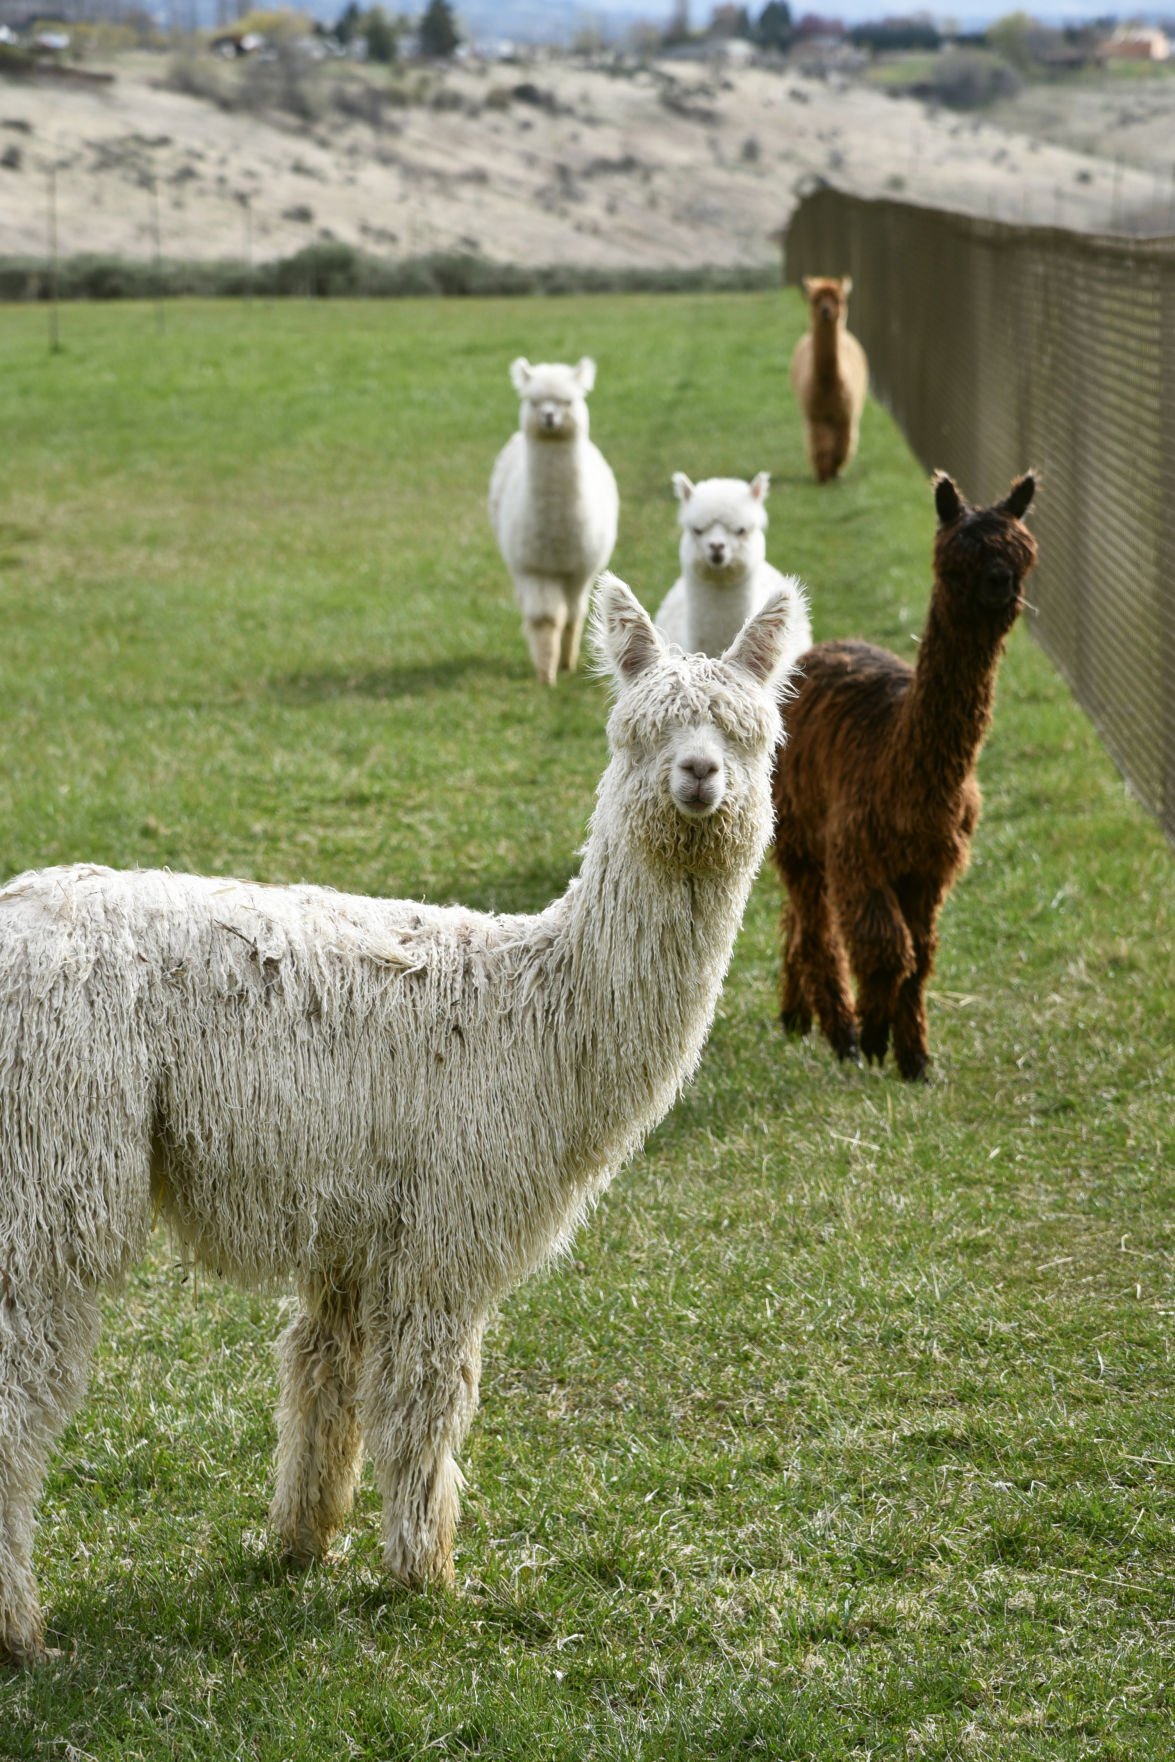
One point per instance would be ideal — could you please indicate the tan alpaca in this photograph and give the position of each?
(830, 376)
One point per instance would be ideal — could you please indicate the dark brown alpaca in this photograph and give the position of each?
(875, 791)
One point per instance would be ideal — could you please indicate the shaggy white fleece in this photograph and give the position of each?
(725, 576)
(405, 1107)
(554, 508)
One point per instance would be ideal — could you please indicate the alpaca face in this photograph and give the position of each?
(692, 737)
(982, 555)
(722, 524)
(828, 298)
(554, 398)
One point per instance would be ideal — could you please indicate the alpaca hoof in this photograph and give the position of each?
(847, 1049)
(26, 1654)
(795, 1021)
(875, 1043)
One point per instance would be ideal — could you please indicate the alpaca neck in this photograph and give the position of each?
(555, 467)
(715, 614)
(637, 963)
(947, 710)
(825, 350)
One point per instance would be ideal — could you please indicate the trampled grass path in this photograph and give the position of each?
(846, 1429)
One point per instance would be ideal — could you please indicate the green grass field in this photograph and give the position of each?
(846, 1430)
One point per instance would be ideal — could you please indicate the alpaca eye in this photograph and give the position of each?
(740, 532)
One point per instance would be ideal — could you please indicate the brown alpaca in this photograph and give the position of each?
(830, 376)
(875, 791)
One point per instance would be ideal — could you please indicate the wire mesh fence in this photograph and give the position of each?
(998, 347)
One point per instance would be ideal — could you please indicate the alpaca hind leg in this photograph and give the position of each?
(45, 1352)
(319, 1449)
(418, 1396)
(881, 953)
(794, 1012)
(819, 961)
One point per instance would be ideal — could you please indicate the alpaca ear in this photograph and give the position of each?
(760, 485)
(623, 631)
(585, 374)
(683, 489)
(1016, 502)
(808, 282)
(520, 374)
(761, 646)
(947, 499)
(846, 285)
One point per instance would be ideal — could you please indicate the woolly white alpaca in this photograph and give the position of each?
(405, 1107)
(725, 576)
(554, 508)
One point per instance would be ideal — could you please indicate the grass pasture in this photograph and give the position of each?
(846, 1430)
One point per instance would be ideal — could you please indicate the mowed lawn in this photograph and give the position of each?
(845, 1431)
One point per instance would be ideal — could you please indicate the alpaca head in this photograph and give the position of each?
(692, 737)
(828, 298)
(554, 397)
(982, 555)
(722, 522)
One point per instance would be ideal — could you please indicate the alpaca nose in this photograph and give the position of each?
(701, 766)
(717, 552)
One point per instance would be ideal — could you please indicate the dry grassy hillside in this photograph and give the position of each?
(556, 162)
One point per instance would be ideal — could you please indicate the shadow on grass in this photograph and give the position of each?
(324, 684)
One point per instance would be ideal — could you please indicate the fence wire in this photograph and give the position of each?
(997, 347)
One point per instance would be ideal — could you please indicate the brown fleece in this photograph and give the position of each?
(876, 798)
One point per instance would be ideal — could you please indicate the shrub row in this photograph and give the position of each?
(329, 270)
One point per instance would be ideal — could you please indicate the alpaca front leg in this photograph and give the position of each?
(44, 1363)
(818, 963)
(544, 613)
(911, 1040)
(318, 1450)
(577, 606)
(419, 1396)
(881, 954)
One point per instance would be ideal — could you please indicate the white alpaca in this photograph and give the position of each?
(554, 508)
(725, 576)
(405, 1107)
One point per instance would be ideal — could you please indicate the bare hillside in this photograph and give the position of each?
(550, 163)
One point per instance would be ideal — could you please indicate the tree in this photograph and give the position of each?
(379, 33)
(439, 36)
(773, 31)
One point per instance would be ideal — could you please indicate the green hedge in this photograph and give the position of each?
(327, 271)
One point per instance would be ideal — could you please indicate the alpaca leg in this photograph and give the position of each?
(819, 961)
(45, 1353)
(318, 1450)
(794, 1012)
(882, 954)
(418, 1396)
(910, 1037)
(572, 632)
(825, 449)
(544, 636)
(544, 613)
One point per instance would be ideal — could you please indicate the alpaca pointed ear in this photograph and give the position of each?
(683, 489)
(622, 630)
(947, 499)
(846, 285)
(585, 374)
(760, 484)
(1019, 497)
(808, 282)
(761, 646)
(520, 374)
